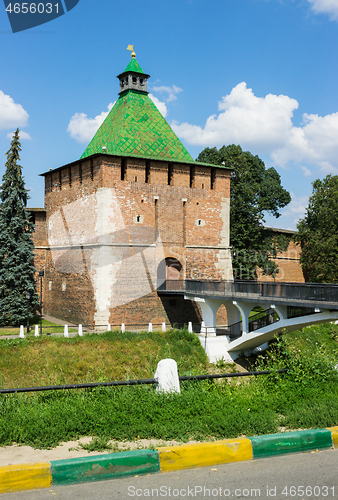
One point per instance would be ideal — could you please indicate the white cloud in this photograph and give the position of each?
(264, 124)
(244, 119)
(315, 142)
(171, 91)
(297, 206)
(12, 115)
(22, 134)
(306, 171)
(161, 106)
(325, 7)
(82, 129)
(292, 213)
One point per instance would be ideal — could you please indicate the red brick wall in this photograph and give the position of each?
(38, 215)
(188, 219)
(288, 262)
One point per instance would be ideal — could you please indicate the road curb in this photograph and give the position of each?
(103, 467)
(115, 465)
(22, 477)
(291, 442)
(192, 455)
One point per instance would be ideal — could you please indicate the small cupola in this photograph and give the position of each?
(133, 77)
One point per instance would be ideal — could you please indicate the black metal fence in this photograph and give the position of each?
(148, 381)
(259, 320)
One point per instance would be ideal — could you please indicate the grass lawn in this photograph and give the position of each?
(96, 357)
(305, 397)
(47, 327)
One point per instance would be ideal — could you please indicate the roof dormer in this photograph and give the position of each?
(133, 77)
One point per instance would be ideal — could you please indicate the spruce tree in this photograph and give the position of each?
(16, 244)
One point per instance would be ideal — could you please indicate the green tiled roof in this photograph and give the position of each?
(134, 66)
(135, 127)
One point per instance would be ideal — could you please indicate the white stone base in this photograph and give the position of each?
(216, 347)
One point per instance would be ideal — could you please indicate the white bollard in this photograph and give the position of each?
(190, 327)
(108, 327)
(65, 331)
(36, 331)
(80, 331)
(167, 376)
(123, 328)
(163, 327)
(22, 333)
(150, 327)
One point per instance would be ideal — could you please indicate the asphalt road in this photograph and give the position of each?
(297, 476)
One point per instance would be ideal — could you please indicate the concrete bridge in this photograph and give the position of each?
(286, 307)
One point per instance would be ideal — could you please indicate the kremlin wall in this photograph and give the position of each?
(133, 211)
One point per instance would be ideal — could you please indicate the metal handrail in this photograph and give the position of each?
(315, 292)
(134, 382)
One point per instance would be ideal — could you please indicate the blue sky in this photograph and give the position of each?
(259, 73)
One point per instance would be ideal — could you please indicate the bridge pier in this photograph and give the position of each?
(245, 309)
(235, 310)
(282, 311)
(233, 313)
(209, 310)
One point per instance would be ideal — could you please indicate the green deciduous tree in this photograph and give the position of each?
(16, 244)
(318, 233)
(255, 190)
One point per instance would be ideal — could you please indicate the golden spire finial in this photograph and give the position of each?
(131, 47)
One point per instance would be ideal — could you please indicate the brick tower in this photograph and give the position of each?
(133, 211)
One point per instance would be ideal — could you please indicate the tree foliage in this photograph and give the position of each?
(16, 244)
(254, 191)
(318, 232)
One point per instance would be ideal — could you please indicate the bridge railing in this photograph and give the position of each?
(317, 292)
(257, 321)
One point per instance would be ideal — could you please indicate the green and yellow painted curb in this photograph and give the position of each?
(25, 477)
(129, 463)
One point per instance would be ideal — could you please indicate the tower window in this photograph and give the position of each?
(213, 178)
(192, 176)
(123, 169)
(138, 219)
(170, 174)
(147, 172)
(134, 79)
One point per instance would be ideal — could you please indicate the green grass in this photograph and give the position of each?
(47, 328)
(96, 357)
(305, 397)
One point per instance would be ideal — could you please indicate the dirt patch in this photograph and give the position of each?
(72, 449)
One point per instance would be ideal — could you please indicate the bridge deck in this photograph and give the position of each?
(296, 294)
